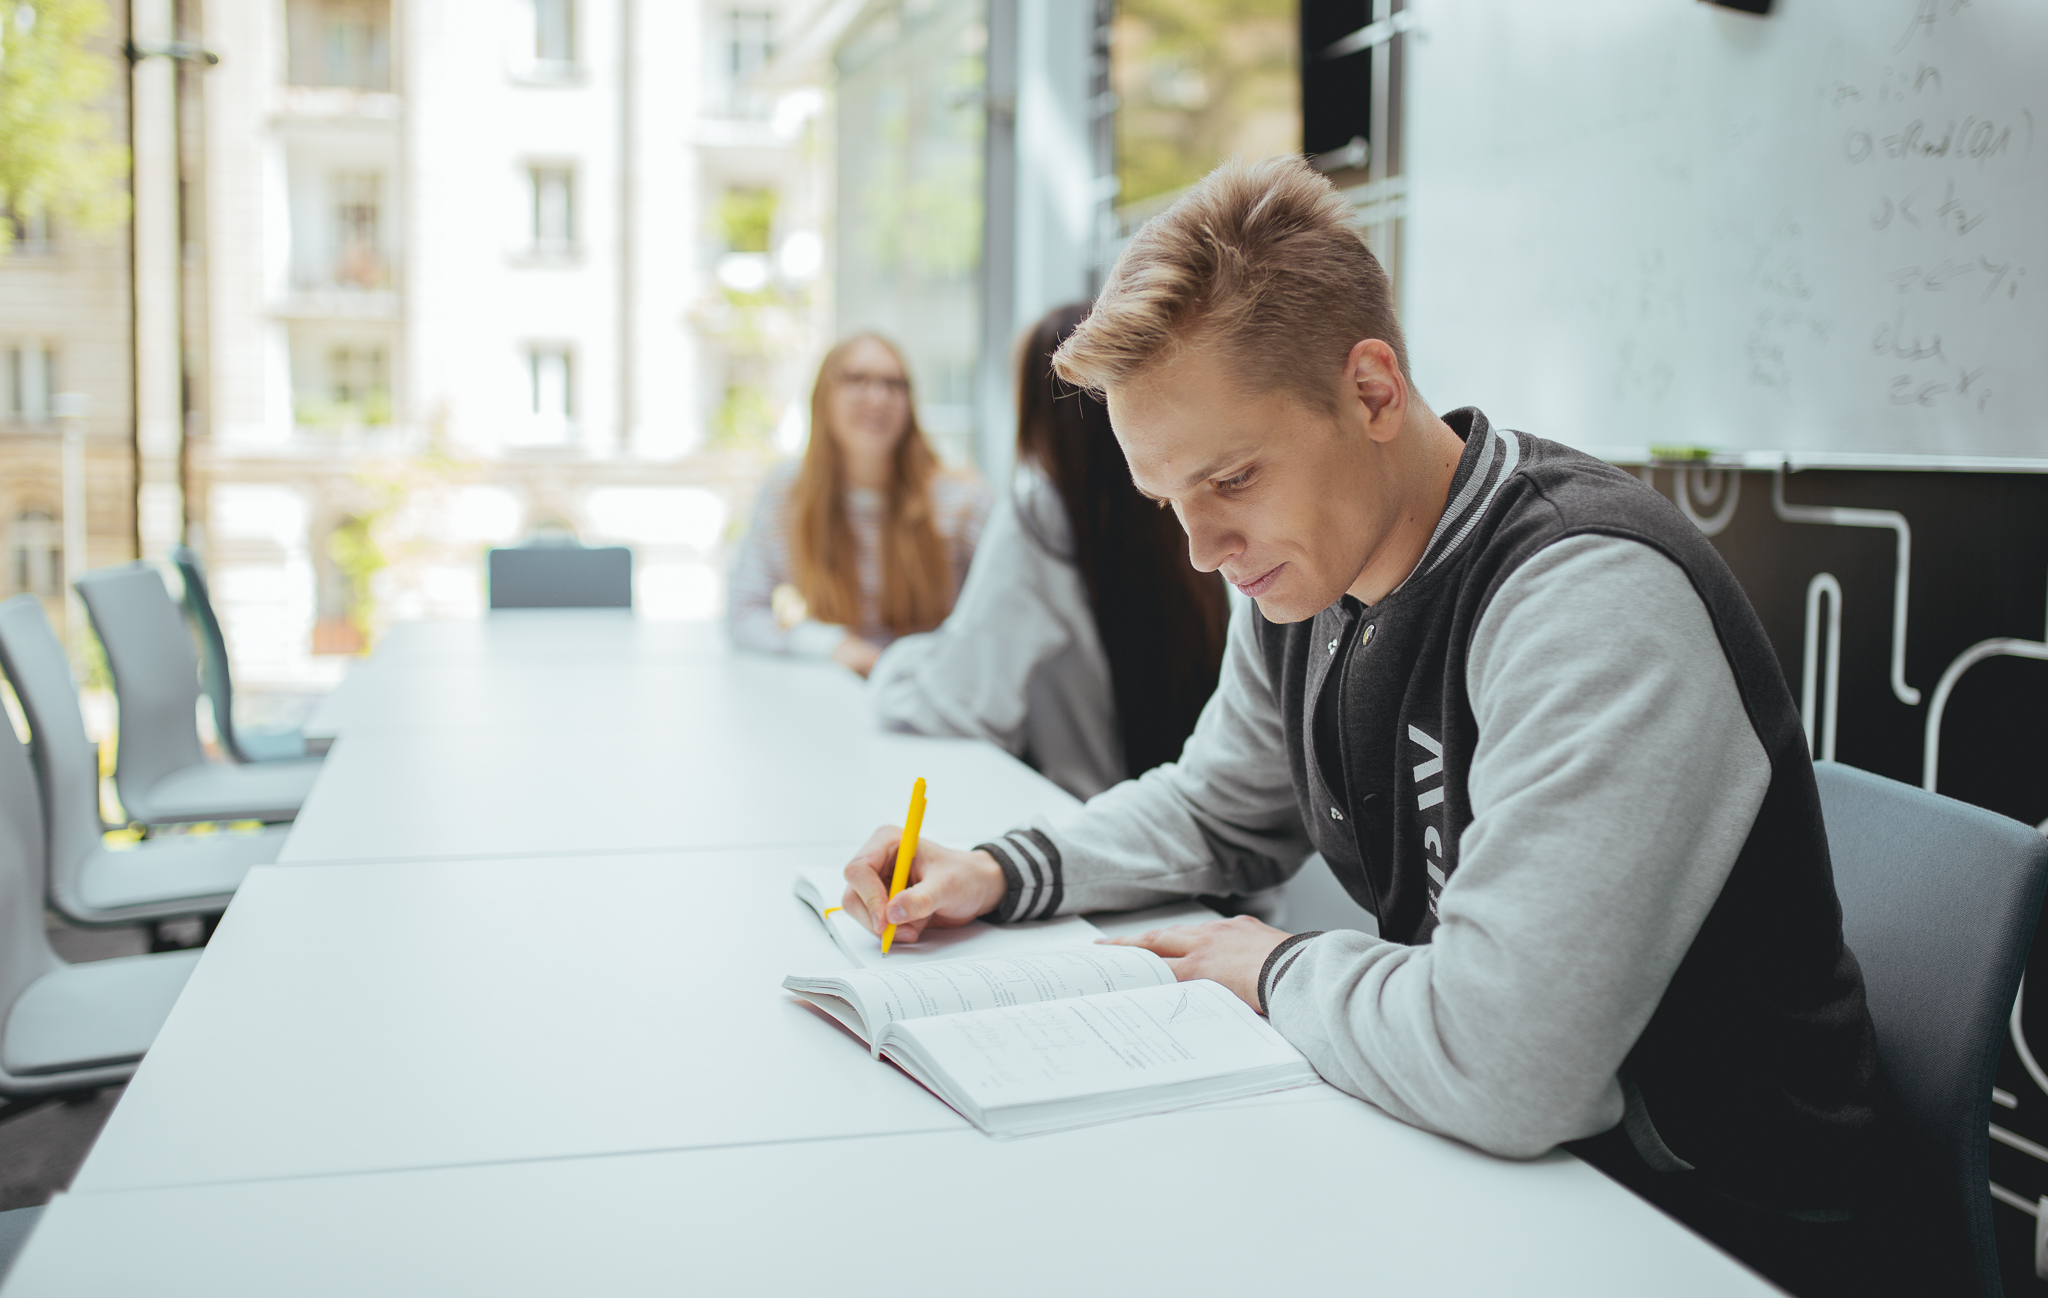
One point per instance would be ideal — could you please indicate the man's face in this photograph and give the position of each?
(1281, 496)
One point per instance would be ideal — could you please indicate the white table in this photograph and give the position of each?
(1323, 1197)
(501, 1043)
(411, 797)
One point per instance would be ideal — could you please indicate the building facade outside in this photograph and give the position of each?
(477, 270)
(65, 367)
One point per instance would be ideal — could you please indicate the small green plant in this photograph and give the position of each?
(744, 418)
(357, 556)
(746, 218)
(372, 411)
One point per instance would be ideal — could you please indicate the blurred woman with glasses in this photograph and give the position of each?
(1084, 641)
(867, 537)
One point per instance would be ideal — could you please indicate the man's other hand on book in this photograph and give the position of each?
(1228, 951)
(947, 888)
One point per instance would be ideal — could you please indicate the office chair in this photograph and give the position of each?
(161, 770)
(69, 1027)
(243, 743)
(90, 883)
(561, 576)
(1939, 901)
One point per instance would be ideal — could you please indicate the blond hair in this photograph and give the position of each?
(917, 573)
(1259, 260)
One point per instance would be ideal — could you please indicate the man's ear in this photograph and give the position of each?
(1373, 379)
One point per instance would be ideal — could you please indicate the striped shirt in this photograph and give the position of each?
(960, 505)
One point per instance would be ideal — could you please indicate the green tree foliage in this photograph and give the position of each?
(57, 151)
(1198, 82)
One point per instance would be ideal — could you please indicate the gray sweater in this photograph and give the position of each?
(1018, 662)
(1580, 884)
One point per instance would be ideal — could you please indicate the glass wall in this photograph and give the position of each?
(1197, 82)
(910, 132)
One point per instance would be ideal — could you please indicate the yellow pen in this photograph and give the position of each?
(905, 852)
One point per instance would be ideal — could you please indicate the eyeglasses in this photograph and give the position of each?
(885, 384)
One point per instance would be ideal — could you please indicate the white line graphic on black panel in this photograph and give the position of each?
(1718, 490)
(1811, 680)
(1840, 516)
(1998, 647)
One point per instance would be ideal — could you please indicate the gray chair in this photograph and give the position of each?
(161, 770)
(91, 884)
(69, 1027)
(561, 576)
(1939, 901)
(244, 743)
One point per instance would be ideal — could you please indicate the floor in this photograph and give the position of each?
(41, 1149)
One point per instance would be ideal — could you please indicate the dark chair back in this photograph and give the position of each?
(561, 576)
(1939, 901)
(213, 649)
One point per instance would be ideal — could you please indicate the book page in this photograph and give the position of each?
(1153, 1036)
(821, 888)
(887, 995)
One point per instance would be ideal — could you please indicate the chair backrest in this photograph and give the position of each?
(218, 681)
(559, 576)
(156, 675)
(25, 953)
(1939, 901)
(66, 764)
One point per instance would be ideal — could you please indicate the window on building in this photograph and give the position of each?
(358, 230)
(553, 192)
(554, 32)
(748, 46)
(339, 43)
(36, 546)
(31, 381)
(340, 383)
(551, 392)
(357, 382)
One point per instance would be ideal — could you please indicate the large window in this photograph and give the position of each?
(910, 129)
(339, 43)
(552, 193)
(1197, 82)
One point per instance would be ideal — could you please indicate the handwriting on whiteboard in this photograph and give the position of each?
(1930, 157)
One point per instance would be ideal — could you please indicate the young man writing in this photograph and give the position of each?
(1516, 701)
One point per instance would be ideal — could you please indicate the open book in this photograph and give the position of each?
(821, 888)
(1063, 1038)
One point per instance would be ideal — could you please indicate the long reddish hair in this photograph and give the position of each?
(917, 573)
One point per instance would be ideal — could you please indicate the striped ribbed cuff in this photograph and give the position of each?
(1033, 882)
(1276, 967)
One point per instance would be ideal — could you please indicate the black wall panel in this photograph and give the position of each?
(1977, 572)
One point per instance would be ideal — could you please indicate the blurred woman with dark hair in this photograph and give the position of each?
(868, 536)
(1083, 642)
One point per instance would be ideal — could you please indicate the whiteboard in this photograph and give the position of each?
(1823, 232)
